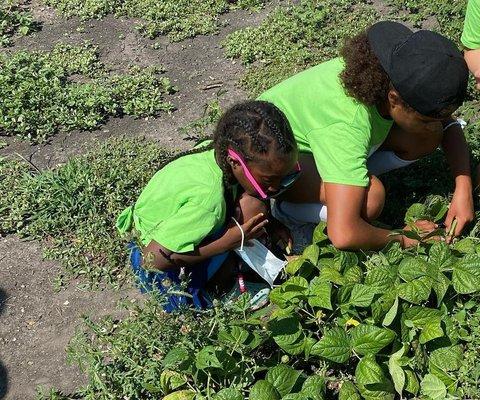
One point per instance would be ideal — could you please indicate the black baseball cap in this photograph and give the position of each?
(426, 68)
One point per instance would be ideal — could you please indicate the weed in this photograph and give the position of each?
(14, 20)
(178, 19)
(199, 129)
(72, 208)
(69, 88)
(294, 38)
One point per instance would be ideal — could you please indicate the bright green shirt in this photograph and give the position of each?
(339, 131)
(181, 205)
(471, 28)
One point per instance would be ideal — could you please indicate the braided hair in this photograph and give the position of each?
(252, 128)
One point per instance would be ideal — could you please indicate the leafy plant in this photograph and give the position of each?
(198, 129)
(14, 20)
(179, 19)
(73, 208)
(293, 38)
(69, 88)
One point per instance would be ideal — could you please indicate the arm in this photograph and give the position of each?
(346, 228)
(472, 57)
(458, 158)
(157, 256)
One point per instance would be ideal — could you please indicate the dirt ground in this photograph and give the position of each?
(36, 322)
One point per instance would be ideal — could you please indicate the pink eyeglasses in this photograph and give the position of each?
(285, 183)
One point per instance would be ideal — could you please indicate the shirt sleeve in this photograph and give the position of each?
(340, 153)
(185, 229)
(471, 28)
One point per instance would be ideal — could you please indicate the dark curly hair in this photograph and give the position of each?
(363, 77)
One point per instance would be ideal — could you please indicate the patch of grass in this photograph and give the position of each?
(69, 88)
(14, 20)
(73, 208)
(293, 38)
(444, 16)
(178, 19)
(199, 129)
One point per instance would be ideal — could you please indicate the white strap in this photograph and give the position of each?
(452, 124)
(241, 231)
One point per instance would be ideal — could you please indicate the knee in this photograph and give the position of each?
(375, 199)
(249, 206)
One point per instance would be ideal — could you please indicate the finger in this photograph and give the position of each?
(253, 221)
(259, 227)
(459, 228)
(449, 220)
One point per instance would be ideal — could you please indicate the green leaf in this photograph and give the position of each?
(345, 260)
(334, 346)
(415, 211)
(371, 380)
(431, 331)
(181, 395)
(176, 358)
(362, 295)
(263, 390)
(228, 394)
(440, 287)
(170, 380)
(412, 385)
(396, 371)
(447, 358)
(353, 275)
(283, 378)
(416, 291)
(311, 253)
(348, 391)
(391, 314)
(288, 334)
(320, 294)
(465, 246)
(381, 278)
(319, 234)
(207, 358)
(433, 387)
(466, 275)
(233, 335)
(411, 268)
(421, 316)
(369, 339)
(440, 255)
(314, 387)
(330, 274)
(295, 265)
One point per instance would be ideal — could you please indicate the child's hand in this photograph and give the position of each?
(280, 233)
(252, 229)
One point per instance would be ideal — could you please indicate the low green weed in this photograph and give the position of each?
(199, 129)
(293, 38)
(69, 88)
(14, 20)
(73, 208)
(178, 19)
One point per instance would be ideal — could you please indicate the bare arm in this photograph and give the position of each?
(457, 154)
(472, 57)
(155, 256)
(346, 228)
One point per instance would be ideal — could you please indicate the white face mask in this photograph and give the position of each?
(260, 259)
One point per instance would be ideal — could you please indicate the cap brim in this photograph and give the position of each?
(384, 37)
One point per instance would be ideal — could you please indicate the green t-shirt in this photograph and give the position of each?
(339, 131)
(471, 28)
(181, 205)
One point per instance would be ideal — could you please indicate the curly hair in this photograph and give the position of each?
(363, 77)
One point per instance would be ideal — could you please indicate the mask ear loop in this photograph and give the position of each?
(241, 231)
(240, 279)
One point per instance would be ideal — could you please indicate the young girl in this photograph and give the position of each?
(183, 215)
(388, 100)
